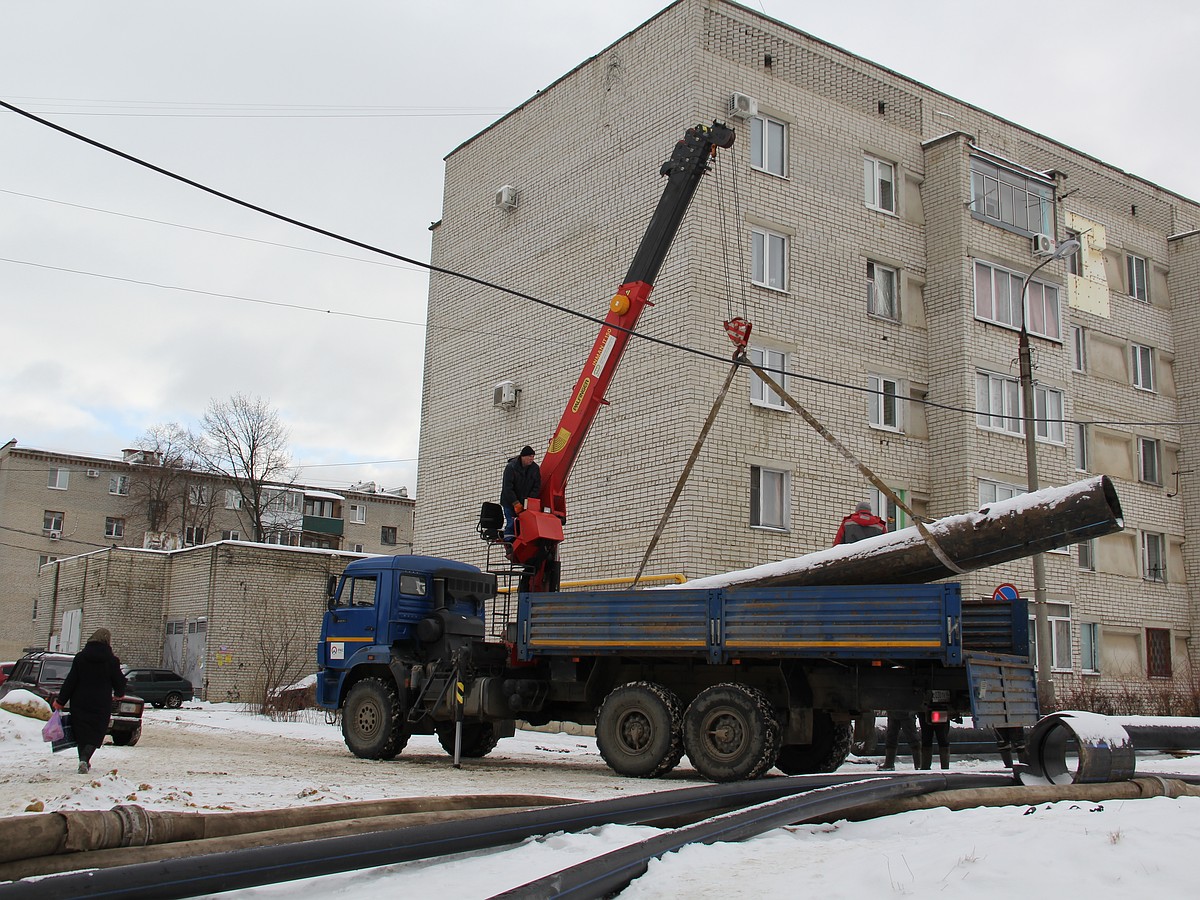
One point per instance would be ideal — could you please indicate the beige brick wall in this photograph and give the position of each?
(584, 154)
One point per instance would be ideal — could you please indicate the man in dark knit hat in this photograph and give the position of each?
(522, 480)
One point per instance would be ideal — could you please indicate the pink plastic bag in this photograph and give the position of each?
(53, 729)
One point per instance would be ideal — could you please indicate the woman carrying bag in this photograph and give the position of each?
(95, 678)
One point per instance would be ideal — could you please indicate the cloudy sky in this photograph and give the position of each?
(128, 300)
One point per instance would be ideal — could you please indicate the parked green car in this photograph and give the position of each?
(161, 687)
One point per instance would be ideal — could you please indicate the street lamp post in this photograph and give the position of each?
(1041, 619)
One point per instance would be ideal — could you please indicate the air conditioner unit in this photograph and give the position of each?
(1043, 245)
(504, 395)
(55, 535)
(507, 197)
(93, 473)
(743, 105)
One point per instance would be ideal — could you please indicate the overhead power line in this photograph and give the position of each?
(483, 282)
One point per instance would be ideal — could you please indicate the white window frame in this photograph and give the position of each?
(193, 535)
(888, 510)
(769, 145)
(358, 513)
(1085, 555)
(1089, 647)
(991, 491)
(878, 276)
(1154, 550)
(1059, 616)
(1083, 449)
(998, 403)
(45, 560)
(1149, 457)
(118, 485)
(875, 196)
(769, 258)
(773, 486)
(879, 415)
(1142, 360)
(1137, 271)
(1078, 349)
(1048, 414)
(233, 498)
(52, 516)
(1000, 303)
(114, 527)
(776, 362)
(198, 494)
(358, 548)
(230, 534)
(57, 478)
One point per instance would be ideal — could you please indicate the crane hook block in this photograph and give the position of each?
(738, 330)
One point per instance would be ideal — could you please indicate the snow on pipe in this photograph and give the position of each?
(1000, 532)
(1086, 748)
(233, 870)
(605, 875)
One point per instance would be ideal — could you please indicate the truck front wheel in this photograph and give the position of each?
(638, 730)
(829, 748)
(478, 738)
(373, 720)
(731, 733)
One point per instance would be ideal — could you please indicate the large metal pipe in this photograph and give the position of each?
(1086, 748)
(1000, 532)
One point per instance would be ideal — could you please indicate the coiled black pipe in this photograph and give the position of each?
(289, 862)
(613, 871)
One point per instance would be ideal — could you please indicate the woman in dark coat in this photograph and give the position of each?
(94, 679)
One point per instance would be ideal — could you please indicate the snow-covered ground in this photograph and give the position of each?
(217, 757)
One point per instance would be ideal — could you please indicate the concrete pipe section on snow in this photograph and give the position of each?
(1086, 748)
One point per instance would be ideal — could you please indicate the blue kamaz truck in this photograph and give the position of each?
(739, 679)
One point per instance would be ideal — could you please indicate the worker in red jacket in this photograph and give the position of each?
(859, 525)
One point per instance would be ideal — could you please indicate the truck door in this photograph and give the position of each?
(351, 624)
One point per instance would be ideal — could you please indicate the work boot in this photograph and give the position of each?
(889, 761)
(84, 768)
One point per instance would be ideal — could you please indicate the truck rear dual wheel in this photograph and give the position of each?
(478, 738)
(373, 723)
(731, 733)
(638, 730)
(829, 748)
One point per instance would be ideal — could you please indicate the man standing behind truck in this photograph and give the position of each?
(859, 525)
(522, 480)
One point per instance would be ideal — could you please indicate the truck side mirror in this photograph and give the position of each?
(331, 587)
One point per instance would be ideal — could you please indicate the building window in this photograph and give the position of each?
(1048, 414)
(193, 535)
(1135, 268)
(231, 535)
(1158, 652)
(768, 145)
(198, 494)
(1143, 367)
(1008, 198)
(45, 560)
(992, 491)
(1154, 556)
(1082, 449)
(358, 548)
(114, 528)
(1085, 555)
(118, 484)
(387, 535)
(358, 513)
(1089, 647)
(769, 498)
(775, 362)
(882, 297)
(1149, 460)
(322, 509)
(998, 300)
(233, 499)
(58, 478)
(879, 184)
(1075, 260)
(768, 259)
(1059, 617)
(887, 509)
(998, 403)
(883, 407)
(1078, 349)
(52, 520)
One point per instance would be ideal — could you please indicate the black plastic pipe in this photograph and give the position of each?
(612, 872)
(308, 859)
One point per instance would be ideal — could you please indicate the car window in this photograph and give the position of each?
(55, 670)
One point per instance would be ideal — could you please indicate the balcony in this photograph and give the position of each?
(323, 525)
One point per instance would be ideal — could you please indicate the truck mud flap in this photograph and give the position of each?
(1003, 690)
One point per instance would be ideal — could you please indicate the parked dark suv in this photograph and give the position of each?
(43, 672)
(162, 687)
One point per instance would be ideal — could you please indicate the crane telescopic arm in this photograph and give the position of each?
(541, 531)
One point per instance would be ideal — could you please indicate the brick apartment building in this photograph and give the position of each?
(877, 232)
(58, 505)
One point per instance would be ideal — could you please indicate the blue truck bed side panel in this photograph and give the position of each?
(1003, 690)
(895, 621)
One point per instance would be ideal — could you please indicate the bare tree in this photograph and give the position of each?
(159, 479)
(243, 442)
